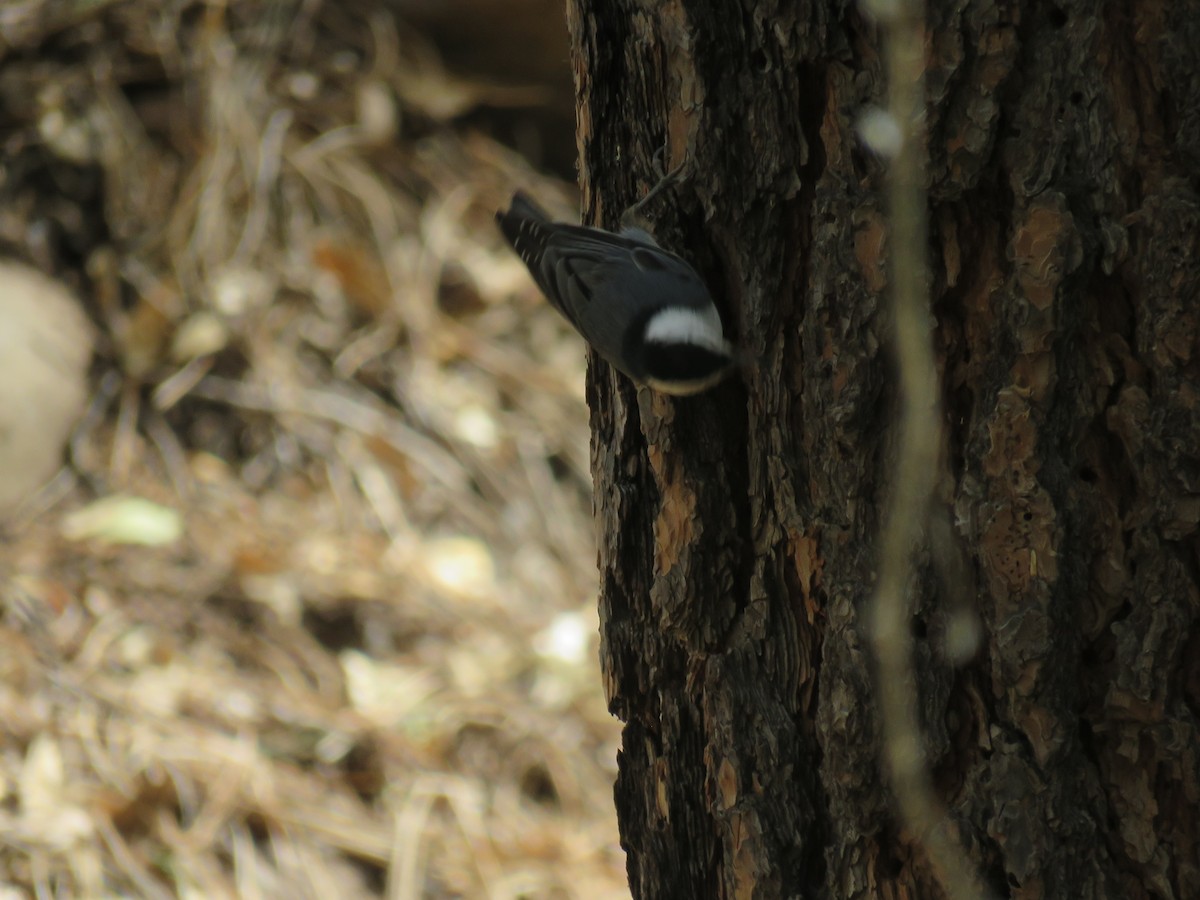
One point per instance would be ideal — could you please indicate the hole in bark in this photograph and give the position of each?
(919, 629)
(1058, 17)
(1076, 98)
(1027, 516)
(1088, 475)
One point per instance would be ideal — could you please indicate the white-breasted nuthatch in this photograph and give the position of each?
(641, 307)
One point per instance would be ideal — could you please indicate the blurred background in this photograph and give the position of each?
(310, 611)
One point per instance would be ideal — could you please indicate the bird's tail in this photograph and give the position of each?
(523, 207)
(524, 227)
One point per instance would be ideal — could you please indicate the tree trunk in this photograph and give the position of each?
(738, 529)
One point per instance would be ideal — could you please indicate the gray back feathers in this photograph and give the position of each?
(606, 285)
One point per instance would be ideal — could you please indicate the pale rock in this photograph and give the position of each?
(45, 348)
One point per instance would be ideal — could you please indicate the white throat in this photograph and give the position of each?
(685, 325)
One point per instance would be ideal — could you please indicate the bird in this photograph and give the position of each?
(643, 308)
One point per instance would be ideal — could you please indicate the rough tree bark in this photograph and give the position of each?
(738, 529)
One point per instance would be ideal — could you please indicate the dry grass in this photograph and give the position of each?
(368, 667)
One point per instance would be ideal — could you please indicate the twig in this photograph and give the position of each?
(916, 466)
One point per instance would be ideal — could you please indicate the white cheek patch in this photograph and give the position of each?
(684, 325)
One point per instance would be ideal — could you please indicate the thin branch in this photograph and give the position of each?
(916, 465)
